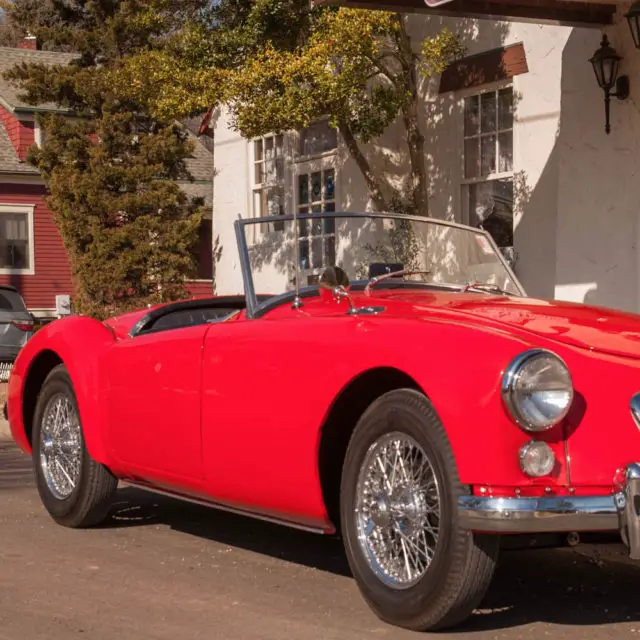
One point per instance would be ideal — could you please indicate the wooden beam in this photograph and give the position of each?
(575, 13)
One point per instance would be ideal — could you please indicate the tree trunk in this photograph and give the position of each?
(374, 182)
(418, 183)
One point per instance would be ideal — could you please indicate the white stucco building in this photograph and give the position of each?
(570, 191)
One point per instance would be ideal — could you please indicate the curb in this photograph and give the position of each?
(5, 431)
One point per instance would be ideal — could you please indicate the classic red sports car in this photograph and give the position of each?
(398, 387)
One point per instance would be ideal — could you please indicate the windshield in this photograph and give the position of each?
(365, 246)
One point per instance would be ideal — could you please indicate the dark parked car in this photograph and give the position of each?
(16, 327)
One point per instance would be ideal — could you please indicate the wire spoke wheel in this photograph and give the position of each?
(61, 446)
(397, 510)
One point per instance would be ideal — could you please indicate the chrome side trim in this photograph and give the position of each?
(538, 515)
(222, 507)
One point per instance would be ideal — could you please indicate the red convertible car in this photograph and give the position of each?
(382, 377)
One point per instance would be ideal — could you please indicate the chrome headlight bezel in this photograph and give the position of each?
(510, 394)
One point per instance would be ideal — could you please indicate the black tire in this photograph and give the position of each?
(88, 504)
(463, 563)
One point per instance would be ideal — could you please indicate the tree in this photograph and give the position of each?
(112, 170)
(278, 65)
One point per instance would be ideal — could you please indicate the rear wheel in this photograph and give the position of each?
(413, 563)
(75, 489)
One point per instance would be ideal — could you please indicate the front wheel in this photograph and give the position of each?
(413, 563)
(75, 489)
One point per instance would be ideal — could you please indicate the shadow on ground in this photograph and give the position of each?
(584, 586)
(15, 468)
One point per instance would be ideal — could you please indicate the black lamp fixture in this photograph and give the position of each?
(605, 63)
(633, 18)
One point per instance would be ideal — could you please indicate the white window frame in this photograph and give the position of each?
(464, 182)
(320, 164)
(29, 210)
(258, 187)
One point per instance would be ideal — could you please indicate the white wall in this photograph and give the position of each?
(576, 219)
(599, 189)
(232, 192)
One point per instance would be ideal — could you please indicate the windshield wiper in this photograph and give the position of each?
(486, 286)
(392, 274)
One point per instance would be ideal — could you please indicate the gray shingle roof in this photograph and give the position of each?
(200, 165)
(9, 162)
(9, 58)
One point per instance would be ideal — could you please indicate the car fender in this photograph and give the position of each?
(79, 343)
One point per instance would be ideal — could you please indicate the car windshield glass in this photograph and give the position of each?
(366, 246)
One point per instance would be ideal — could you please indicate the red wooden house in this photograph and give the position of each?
(32, 255)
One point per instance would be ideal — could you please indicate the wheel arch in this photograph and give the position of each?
(40, 368)
(340, 422)
(78, 342)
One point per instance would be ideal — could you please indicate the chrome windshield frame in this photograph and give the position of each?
(253, 307)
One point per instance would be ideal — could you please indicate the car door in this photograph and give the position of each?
(154, 404)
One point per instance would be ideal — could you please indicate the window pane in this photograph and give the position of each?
(471, 147)
(279, 146)
(304, 254)
(258, 173)
(257, 150)
(329, 185)
(14, 241)
(488, 155)
(303, 189)
(316, 227)
(505, 109)
(316, 187)
(303, 224)
(488, 112)
(329, 223)
(330, 251)
(505, 151)
(316, 252)
(471, 120)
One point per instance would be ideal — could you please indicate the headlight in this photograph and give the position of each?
(537, 389)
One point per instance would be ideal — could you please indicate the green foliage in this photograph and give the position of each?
(127, 225)
(111, 171)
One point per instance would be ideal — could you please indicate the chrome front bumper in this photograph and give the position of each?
(555, 514)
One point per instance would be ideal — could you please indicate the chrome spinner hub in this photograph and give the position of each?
(397, 510)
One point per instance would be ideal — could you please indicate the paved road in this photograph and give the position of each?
(166, 569)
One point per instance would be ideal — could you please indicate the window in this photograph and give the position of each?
(316, 193)
(16, 239)
(488, 163)
(268, 177)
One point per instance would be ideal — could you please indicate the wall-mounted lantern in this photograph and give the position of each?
(633, 18)
(605, 63)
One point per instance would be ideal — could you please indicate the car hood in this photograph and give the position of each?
(579, 325)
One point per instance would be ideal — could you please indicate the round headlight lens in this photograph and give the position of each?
(537, 389)
(537, 459)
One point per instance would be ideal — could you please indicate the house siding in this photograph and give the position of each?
(20, 132)
(52, 273)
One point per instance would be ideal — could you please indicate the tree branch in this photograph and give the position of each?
(418, 193)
